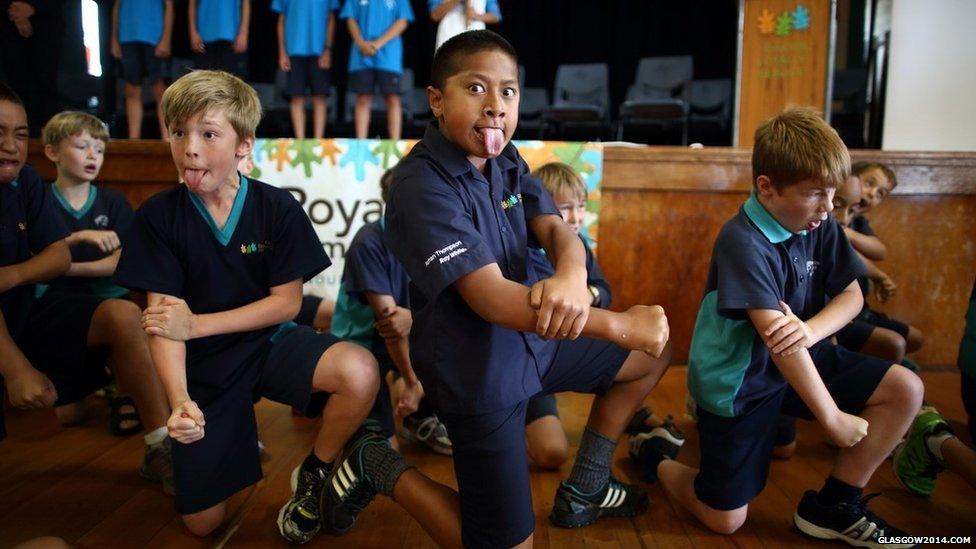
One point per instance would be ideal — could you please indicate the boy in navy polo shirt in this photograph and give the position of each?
(780, 260)
(306, 30)
(460, 219)
(98, 219)
(218, 34)
(141, 34)
(222, 259)
(376, 60)
(52, 348)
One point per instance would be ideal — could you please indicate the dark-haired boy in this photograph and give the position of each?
(461, 214)
(783, 259)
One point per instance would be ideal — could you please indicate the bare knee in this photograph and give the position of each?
(549, 455)
(903, 388)
(122, 317)
(725, 522)
(204, 523)
(351, 370)
(915, 340)
(893, 343)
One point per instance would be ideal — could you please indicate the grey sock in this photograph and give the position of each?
(384, 465)
(591, 472)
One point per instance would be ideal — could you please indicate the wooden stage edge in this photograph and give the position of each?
(662, 207)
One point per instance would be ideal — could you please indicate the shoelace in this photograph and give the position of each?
(860, 509)
(428, 428)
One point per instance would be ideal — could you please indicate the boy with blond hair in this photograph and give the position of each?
(783, 279)
(222, 260)
(98, 219)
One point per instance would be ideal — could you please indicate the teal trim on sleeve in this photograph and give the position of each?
(103, 287)
(80, 212)
(721, 350)
(283, 329)
(223, 235)
(39, 290)
(771, 229)
(353, 320)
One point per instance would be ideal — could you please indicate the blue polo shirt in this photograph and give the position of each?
(105, 210)
(444, 220)
(176, 248)
(374, 18)
(141, 21)
(218, 19)
(594, 275)
(370, 267)
(756, 263)
(306, 23)
(491, 6)
(29, 222)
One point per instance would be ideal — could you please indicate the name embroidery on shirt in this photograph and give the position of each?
(511, 201)
(446, 253)
(255, 247)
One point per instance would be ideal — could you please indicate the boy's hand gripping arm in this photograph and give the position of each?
(393, 324)
(563, 301)
(52, 262)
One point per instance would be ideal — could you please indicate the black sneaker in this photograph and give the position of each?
(574, 509)
(650, 449)
(348, 490)
(637, 425)
(852, 523)
(299, 520)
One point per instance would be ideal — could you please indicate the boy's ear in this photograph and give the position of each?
(436, 100)
(245, 147)
(51, 152)
(764, 186)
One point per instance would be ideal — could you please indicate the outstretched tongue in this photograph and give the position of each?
(193, 178)
(494, 140)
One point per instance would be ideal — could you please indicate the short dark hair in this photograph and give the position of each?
(449, 57)
(860, 167)
(8, 94)
(386, 184)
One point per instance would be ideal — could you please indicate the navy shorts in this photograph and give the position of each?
(736, 451)
(383, 405)
(226, 460)
(490, 457)
(305, 74)
(310, 306)
(370, 81)
(55, 341)
(856, 334)
(219, 56)
(541, 405)
(139, 62)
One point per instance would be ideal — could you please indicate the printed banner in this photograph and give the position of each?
(337, 183)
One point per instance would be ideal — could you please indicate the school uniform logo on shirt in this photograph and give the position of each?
(812, 267)
(22, 226)
(255, 247)
(511, 201)
(101, 220)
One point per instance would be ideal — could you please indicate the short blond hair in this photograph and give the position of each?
(558, 177)
(70, 123)
(796, 145)
(204, 91)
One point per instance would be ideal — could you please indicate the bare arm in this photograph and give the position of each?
(96, 269)
(173, 319)
(196, 41)
(869, 246)
(166, 41)
(398, 344)
(840, 310)
(788, 334)
(440, 11)
(330, 31)
(798, 369)
(27, 387)
(396, 29)
(52, 262)
(115, 46)
(282, 52)
(563, 300)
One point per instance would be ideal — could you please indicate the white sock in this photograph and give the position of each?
(156, 436)
(934, 443)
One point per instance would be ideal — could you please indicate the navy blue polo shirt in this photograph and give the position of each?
(175, 248)
(105, 210)
(594, 275)
(863, 226)
(756, 263)
(444, 220)
(29, 222)
(370, 267)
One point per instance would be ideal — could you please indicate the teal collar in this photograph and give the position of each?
(223, 235)
(80, 212)
(767, 224)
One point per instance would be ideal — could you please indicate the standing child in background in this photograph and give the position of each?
(141, 40)
(874, 333)
(376, 59)
(456, 16)
(306, 31)
(219, 34)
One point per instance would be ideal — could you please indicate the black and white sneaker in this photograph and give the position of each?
(299, 520)
(573, 509)
(850, 523)
(348, 490)
(651, 448)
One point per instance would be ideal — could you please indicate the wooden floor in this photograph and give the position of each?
(80, 484)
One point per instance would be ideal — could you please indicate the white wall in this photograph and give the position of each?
(931, 102)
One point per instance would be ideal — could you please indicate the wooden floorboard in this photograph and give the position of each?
(80, 483)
